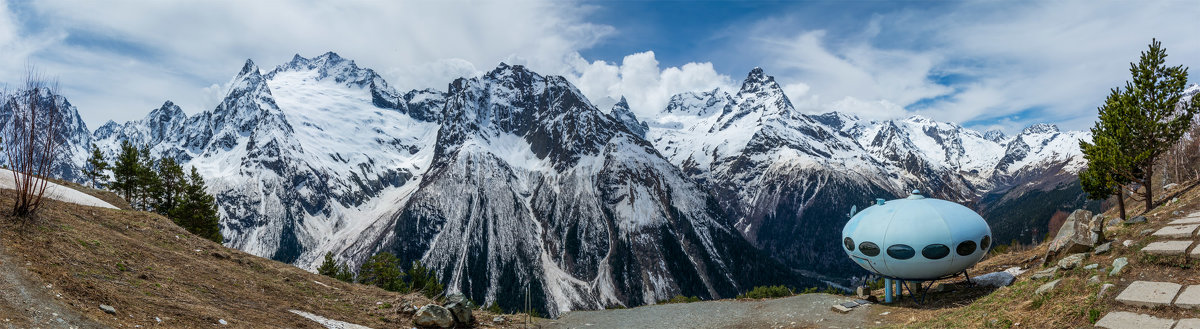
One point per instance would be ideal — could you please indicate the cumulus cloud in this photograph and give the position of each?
(645, 85)
(118, 59)
(992, 65)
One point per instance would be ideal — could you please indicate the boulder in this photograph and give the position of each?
(994, 279)
(1118, 265)
(1045, 274)
(1095, 279)
(1072, 261)
(1136, 220)
(432, 315)
(460, 309)
(1079, 233)
(1045, 288)
(108, 309)
(1091, 266)
(1101, 249)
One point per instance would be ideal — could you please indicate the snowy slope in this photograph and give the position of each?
(56, 192)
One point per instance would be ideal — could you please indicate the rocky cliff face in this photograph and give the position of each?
(513, 181)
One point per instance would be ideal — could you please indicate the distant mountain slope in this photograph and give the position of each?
(514, 180)
(789, 179)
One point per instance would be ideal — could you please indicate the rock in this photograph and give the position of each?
(1045, 288)
(1118, 265)
(1091, 266)
(1071, 261)
(432, 315)
(1101, 249)
(1146, 232)
(860, 292)
(1136, 220)
(222, 322)
(1114, 222)
(1044, 274)
(1104, 289)
(498, 320)
(1127, 243)
(994, 279)
(840, 309)
(1094, 279)
(108, 309)
(460, 308)
(1078, 234)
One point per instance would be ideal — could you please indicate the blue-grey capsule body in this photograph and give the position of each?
(916, 238)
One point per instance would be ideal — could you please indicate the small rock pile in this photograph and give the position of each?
(455, 312)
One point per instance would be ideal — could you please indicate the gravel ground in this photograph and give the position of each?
(802, 311)
(26, 302)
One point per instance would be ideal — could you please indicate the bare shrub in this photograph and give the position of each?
(32, 142)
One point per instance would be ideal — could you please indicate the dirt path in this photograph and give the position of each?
(26, 302)
(803, 311)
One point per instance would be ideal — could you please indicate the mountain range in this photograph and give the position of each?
(513, 183)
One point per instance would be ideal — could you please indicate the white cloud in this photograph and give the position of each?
(645, 86)
(1012, 64)
(118, 59)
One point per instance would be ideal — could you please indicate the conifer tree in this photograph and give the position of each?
(344, 274)
(125, 172)
(95, 168)
(1137, 124)
(328, 267)
(171, 186)
(1109, 152)
(382, 270)
(147, 180)
(1156, 93)
(197, 210)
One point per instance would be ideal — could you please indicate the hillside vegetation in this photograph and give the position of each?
(151, 270)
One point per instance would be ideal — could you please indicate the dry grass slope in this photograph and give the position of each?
(147, 268)
(1074, 302)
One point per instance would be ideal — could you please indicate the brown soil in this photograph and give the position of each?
(147, 267)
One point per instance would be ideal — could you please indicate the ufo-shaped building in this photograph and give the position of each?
(916, 238)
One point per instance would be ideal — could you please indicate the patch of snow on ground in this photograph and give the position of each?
(328, 323)
(57, 192)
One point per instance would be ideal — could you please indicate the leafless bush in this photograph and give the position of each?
(31, 141)
(1181, 163)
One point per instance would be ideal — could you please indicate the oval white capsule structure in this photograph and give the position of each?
(916, 238)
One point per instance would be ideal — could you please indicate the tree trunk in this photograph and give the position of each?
(1121, 202)
(1148, 183)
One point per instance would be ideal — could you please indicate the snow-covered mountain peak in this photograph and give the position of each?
(621, 112)
(331, 66)
(1040, 128)
(759, 101)
(700, 104)
(995, 135)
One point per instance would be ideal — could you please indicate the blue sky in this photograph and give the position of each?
(1000, 65)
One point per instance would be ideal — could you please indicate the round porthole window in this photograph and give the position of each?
(900, 251)
(985, 243)
(935, 251)
(966, 248)
(849, 243)
(869, 249)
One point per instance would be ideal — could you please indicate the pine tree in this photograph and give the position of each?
(171, 186)
(148, 185)
(1155, 93)
(95, 168)
(382, 270)
(1109, 152)
(197, 210)
(344, 274)
(125, 172)
(424, 279)
(328, 267)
